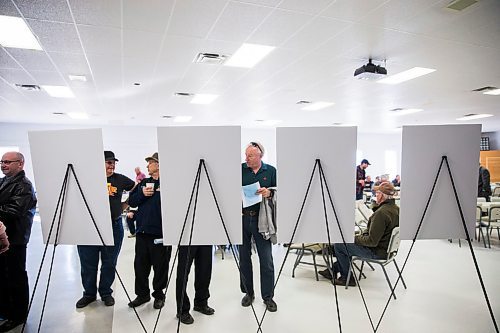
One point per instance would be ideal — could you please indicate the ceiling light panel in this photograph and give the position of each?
(182, 119)
(81, 78)
(203, 98)
(403, 112)
(14, 32)
(59, 91)
(78, 115)
(406, 75)
(317, 106)
(494, 92)
(248, 55)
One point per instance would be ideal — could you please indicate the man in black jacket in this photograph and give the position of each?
(146, 196)
(17, 208)
(483, 185)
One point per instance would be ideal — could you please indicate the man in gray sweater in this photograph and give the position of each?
(374, 241)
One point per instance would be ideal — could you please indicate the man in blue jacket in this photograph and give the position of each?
(146, 196)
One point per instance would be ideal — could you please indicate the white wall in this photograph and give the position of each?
(132, 144)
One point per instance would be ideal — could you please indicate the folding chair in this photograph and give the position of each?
(392, 251)
(313, 249)
(480, 225)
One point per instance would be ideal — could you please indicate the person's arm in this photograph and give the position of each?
(374, 234)
(4, 240)
(17, 204)
(137, 197)
(486, 180)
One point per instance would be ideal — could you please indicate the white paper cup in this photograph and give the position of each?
(150, 185)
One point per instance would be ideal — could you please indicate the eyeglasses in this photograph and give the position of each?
(256, 145)
(110, 162)
(6, 162)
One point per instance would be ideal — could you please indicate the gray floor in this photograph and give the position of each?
(444, 295)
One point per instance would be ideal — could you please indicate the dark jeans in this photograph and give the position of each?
(359, 196)
(264, 250)
(89, 261)
(14, 289)
(202, 256)
(344, 259)
(131, 225)
(147, 255)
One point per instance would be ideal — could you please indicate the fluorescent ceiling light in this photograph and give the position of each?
(248, 55)
(78, 115)
(203, 98)
(317, 106)
(492, 92)
(82, 78)
(182, 119)
(402, 112)
(270, 122)
(14, 32)
(406, 75)
(475, 116)
(59, 91)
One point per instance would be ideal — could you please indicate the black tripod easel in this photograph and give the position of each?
(324, 186)
(194, 195)
(444, 159)
(58, 215)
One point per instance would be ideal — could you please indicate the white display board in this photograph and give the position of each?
(297, 151)
(51, 152)
(423, 148)
(180, 150)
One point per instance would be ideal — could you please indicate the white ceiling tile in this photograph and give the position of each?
(278, 27)
(60, 37)
(238, 22)
(50, 10)
(32, 59)
(48, 78)
(8, 8)
(310, 7)
(138, 44)
(147, 15)
(101, 40)
(100, 13)
(138, 70)
(315, 33)
(6, 60)
(18, 76)
(194, 18)
(353, 10)
(71, 63)
(271, 3)
(107, 72)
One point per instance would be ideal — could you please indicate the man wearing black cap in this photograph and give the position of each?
(89, 254)
(360, 178)
(146, 196)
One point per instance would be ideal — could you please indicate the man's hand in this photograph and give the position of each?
(264, 191)
(4, 244)
(148, 191)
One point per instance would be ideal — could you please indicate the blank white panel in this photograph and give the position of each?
(423, 148)
(51, 152)
(180, 150)
(297, 150)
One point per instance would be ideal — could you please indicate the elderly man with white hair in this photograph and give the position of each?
(374, 241)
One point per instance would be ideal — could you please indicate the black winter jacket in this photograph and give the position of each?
(148, 215)
(17, 207)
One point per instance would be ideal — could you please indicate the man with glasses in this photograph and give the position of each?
(17, 208)
(89, 254)
(254, 170)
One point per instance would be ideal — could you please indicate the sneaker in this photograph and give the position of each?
(205, 309)
(139, 300)
(108, 300)
(342, 282)
(158, 303)
(271, 305)
(247, 300)
(84, 301)
(186, 318)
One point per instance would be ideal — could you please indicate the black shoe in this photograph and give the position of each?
(186, 318)
(139, 300)
(108, 300)
(9, 325)
(205, 309)
(326, 274)
(84, 301)
(158, 303)
(342, 282)
(247, 300)
(271, 305)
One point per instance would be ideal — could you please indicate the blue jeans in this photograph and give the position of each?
(89, 261)
(344, 259)
(264, 250)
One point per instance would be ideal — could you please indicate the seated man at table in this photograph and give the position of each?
(374, 241)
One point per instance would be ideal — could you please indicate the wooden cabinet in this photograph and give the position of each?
(490, 159)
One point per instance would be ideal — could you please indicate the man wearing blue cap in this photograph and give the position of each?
(360, 178)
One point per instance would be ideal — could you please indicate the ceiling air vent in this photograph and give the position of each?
(483, 89)
(461, 4)
(210, 58)
(28, 87)
(303, 102)
(183, 94)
